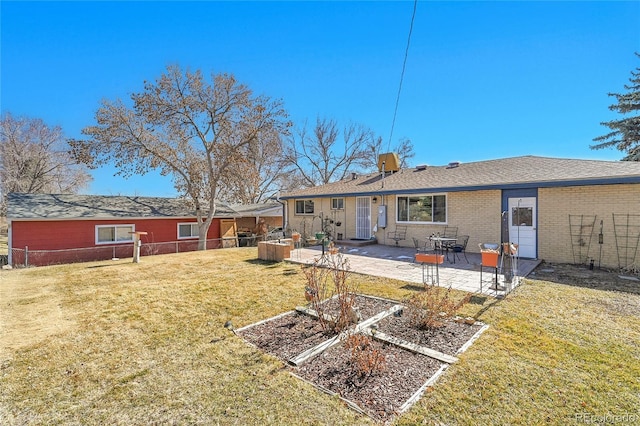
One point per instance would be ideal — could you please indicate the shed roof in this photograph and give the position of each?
(73, 206)
(258, 209)
(515, 172)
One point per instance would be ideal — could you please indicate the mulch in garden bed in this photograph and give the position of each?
(382, 394)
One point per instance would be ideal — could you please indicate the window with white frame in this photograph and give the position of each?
(110, 234)
(422, 208)
(304, 207)
(188, 230)
(337, 203)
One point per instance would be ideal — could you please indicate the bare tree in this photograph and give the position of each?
(328, 154)
(195, 131)
(35, 158)
(404, 149)
(258, 178)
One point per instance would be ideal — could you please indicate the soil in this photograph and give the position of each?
(382, 394)
(583, 276)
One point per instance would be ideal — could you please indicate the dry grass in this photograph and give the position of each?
(4, 239)
(553, 352)
(123, 343)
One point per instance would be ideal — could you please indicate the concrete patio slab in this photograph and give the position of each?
(398, 263)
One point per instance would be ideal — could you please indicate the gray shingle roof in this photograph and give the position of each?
(257, 209)
(526, 171)
(72, 206)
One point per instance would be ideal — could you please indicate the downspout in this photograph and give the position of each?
(285, 223)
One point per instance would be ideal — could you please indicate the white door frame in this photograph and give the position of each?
(523, 231)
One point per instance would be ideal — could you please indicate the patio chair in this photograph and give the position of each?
(449, 232)
(421, 248)
(399, 234)
(460, 247)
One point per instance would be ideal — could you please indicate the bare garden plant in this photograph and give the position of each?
(365, 358)
(429, 309)
(328, 277)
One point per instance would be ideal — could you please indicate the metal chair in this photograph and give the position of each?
(460, 247)
(449, 232)
(420, 248)
(399, 234)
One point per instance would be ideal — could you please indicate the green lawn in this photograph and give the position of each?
(122, 343)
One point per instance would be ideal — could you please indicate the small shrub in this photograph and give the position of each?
(317, 291)
(365, 358)
(326, 278)
(431, 307)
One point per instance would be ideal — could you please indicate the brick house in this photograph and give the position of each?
(559, 210)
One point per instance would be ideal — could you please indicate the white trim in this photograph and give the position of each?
(115, 225)
(191, 237)
(295, 207)
(337, 198)
(409, 222)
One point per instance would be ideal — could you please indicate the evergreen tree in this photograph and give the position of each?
(625, 134)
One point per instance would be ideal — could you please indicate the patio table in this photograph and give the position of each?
(439, 244)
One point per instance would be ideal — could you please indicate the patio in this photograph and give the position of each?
(398, 263)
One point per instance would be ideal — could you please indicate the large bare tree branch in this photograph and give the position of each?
(196, 131)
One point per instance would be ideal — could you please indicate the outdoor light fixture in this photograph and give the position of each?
(375, 200)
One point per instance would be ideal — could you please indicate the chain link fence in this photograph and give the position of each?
(24, 257)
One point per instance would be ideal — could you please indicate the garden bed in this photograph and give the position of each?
(382, 394)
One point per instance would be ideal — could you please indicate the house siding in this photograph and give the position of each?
(309, 224)
(556, 204)
(57, 239)
(475, 213)
(478, 214)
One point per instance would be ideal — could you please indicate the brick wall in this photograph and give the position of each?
(556, 204)
(477, 214)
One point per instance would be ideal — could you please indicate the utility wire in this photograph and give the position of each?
(404, 65)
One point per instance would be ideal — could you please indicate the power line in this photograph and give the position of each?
(404, 65)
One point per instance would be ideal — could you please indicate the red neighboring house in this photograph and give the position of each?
(63, 228)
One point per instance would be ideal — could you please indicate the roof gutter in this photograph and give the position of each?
(513, 185)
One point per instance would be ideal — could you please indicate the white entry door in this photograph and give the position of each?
(522, 225)
(363, 218)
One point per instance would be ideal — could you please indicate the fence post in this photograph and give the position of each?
(26, 256)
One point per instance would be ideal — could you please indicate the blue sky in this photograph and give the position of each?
(483, 80)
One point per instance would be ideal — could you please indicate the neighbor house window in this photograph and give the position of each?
(188, 230)
(304, 206)
(108, 234)
(337, 203)
(422, 208)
